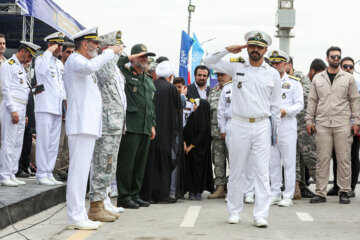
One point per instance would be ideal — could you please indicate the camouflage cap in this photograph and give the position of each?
(111, 38)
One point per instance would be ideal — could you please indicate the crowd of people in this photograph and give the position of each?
(118, 125)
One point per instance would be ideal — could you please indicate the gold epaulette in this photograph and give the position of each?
(227, 83)
(11, 61)
(239, 59)
(295, 78)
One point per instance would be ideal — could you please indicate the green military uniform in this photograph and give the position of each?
(140, 118)
(306, 150)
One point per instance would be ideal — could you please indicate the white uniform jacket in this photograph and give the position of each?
(224, 110)
(14, 83)
(256, 91)
(292, 96)
(84, 100)
(49, 71)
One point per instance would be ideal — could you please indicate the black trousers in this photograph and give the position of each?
(355, 163)
(24, 162)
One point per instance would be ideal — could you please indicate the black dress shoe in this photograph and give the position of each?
(351, 194)
(344, 198)
(129, 204)
(22, 174)
(63, 177)
(29, 171)
(333, 191)
(318, 199)
(307, 193)
(142, 203)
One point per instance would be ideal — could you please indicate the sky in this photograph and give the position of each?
(158, 24)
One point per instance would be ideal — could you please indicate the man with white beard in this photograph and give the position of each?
(83, 119)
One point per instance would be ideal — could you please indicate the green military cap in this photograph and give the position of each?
(111, 38)
(139, 48)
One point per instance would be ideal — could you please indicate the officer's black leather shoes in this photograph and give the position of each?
(307, 193)
(129, 204)
(333, 191)
(344, 198)
(351, 194)
(22, 174)
(142, 203)
(318, 199)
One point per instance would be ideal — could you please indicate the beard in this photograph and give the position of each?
(334, 65)
(255, 56)
(201, 83)
(93, 52)
(139, 64)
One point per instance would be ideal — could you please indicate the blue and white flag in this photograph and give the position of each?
(51, 14)
(186, 43)
(197, 53)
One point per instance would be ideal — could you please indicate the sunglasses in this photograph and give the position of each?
(335, 56)
(346, 66)
(69, 51)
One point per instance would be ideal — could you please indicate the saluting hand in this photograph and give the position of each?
(53, 48)
(117, 48)
(236, 48)
(131, 57)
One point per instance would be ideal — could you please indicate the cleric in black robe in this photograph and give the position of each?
(161, 172)
(198, 165)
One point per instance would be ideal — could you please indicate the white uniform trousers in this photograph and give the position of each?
(48, 129)
(12, 137)
(249, 146)
(81, 149)
(249, 178)
(284, 151)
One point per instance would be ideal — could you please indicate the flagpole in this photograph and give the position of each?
(191, 8)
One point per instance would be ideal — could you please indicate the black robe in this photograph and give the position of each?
(198, 166)
(165, 150)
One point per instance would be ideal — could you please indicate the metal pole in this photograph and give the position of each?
(23, 38)
(31, 29)
(189, 18)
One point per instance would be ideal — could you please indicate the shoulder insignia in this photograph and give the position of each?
(40, 55)
(11, 61)
(295, 78)
(227, 83)
(239, 59)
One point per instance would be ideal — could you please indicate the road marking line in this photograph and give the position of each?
(191, 216)
(80, 235)
(305, 217)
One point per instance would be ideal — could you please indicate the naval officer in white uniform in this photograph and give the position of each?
(224, 122)
(83, 119)
(48, 108)
(15, 88)
(285, 150)
(256, 97)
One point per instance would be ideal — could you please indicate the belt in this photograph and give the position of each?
(20, 101)
(251, 120)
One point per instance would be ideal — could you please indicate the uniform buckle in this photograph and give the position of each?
(251, 120)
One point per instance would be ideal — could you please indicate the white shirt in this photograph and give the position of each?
(256, 91)
(292, 98)
(84, 101)
(202, 93)
(2, 60)
(224, 107)
(14, 83)
(49, 71)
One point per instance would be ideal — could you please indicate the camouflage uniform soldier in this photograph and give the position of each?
(103, 170)
(306, 150)
(218, 147)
